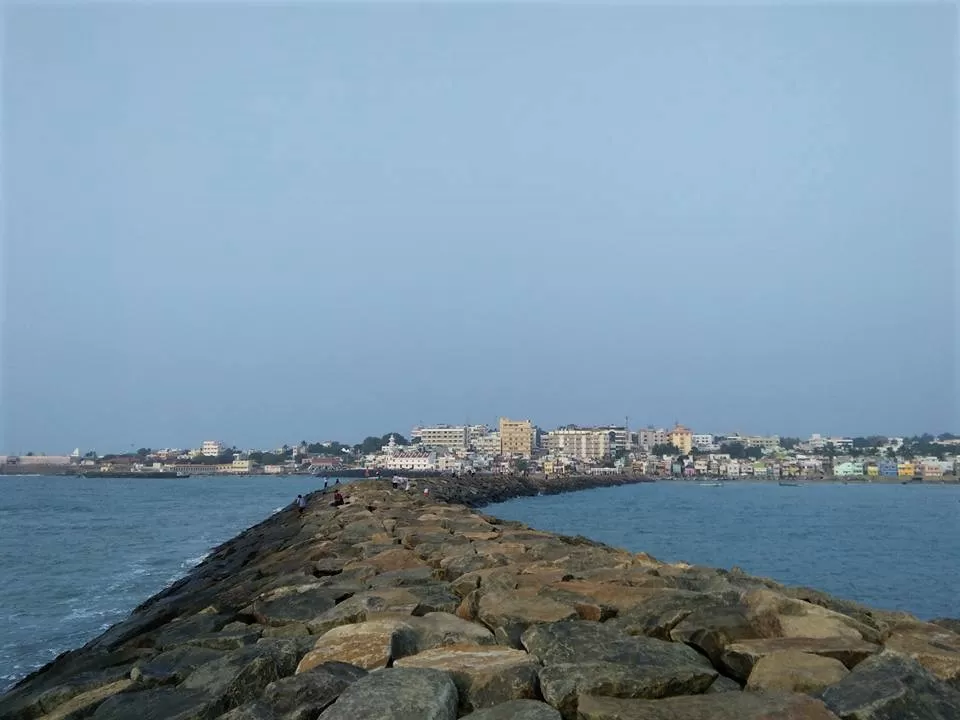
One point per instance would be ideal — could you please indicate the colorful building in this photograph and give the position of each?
(682, 439)
(906, 469)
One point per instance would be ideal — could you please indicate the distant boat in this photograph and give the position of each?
(711, 484)
(786, 483)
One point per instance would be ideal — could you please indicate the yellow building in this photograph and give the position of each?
(873, 471)
(906, 469)
(682, 439)
(516, 437)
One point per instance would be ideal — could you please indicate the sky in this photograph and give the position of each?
(269, 223)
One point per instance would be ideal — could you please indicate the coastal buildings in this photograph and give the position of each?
(682, 438)
(581, 443)
(649, 437)
(516, 438)
(211, 448)
(455, 437)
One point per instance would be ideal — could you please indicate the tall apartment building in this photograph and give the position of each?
(649, 437)
(455, 437)
(682, 439)
(516, 437)
(583, 443)
(211, 448)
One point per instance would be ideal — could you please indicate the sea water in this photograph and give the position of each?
(77, 555)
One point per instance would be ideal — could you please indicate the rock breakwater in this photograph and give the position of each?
(404, 606)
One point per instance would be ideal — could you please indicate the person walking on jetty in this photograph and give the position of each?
(337, 499)
(301, 504)
(325, 485)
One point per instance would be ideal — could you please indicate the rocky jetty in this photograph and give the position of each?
(404, 606)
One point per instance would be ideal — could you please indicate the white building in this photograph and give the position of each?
(412, 460)
(582, 443)
(455, 437)
(704, 442)
(211, 448)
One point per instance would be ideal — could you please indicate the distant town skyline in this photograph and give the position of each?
(265, 221)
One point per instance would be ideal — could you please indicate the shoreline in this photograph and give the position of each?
(397, 563)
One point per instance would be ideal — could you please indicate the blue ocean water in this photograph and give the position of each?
(77, 555)
(889, 546)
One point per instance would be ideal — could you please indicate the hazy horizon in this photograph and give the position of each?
(268, 223)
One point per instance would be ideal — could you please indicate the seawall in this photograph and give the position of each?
(404, 606)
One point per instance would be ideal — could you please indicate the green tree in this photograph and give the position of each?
(735, 450)
(143, 452)
(753, 453)
(664, 450)
(789, 443)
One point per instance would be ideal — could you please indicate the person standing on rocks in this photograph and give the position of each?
(301, 504)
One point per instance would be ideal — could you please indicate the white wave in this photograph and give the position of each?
(194, 561)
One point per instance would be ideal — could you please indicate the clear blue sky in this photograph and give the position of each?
(266, 224)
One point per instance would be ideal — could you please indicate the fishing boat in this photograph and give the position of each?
(716, 483)
(135, 474)
(787, 483)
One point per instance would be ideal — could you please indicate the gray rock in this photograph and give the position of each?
(183, 629)
(951, 624)
(242, 675)
(892, 687)
(397, 694)
(159, 704)
(433, 598)
(296, 606)
(562, 684)
(723, 684)
(404, 578)
(516, 710)
(711, 629)
(227, 640)
(725, 706)
(301, 697)
(659, 615)
(585, 641)
(173, 666)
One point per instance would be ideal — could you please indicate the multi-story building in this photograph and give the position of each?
(583, 443)
(488, 444)
(455, 437)
(767, 443)
(704, 442)
(682, 439)
(648, 437)
(516, 437)
(621, 437)
(211, 448)
(412, 460)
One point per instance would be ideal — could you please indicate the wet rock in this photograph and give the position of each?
(739, 658)
(397, 694)
(160, 704)
(173, 666)
(799, 672)
(892, 687)
(484, 675)
(369, 645)
(563, 684)
(295, 604)
(509, 614)
(516, 710)
(722, 706)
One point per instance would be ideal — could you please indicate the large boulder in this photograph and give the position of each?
(935, 647)
(185, 629)
(892, 687)
(738, 659)
(437, 629)
(484, 675)
(294, 604)
(792, 671)
(301, 697)
(663, 609)
(369, 645)
(722, 706)
(516, 710)
(241, 676)
(397, 694)
(393, 558)
(364, 606)
(775, 615)
(160, 704)
(173, 666)
(563, 684)
(584, 641)
(711, 629)
(508, 614)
